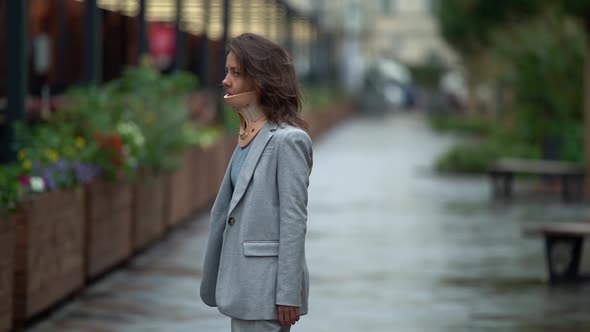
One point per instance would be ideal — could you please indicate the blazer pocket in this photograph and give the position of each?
(268, 151)
(261, 248)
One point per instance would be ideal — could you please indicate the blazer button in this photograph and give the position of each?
(231, 221)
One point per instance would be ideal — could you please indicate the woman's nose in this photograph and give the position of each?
(225, 81)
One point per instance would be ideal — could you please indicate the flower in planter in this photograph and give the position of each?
(85, 172)
(113, 156)
(80, 142)
(139, 120)
(37, 184)
(130, 129)
(112, 145)
(131, 134)
(58, 175)
(23, 159)
(153, 112)
(62, 174)
(133, 140)
(52, 155)
(52, 158)
(67, 173)
(24, 180)
(34, 184)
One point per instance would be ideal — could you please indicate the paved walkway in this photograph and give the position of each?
(391, 247)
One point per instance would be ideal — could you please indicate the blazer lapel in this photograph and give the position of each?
(258, 145)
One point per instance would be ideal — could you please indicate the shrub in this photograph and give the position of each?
(543, 60)
(472, 125)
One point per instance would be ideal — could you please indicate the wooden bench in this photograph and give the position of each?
(571, 175)
(563, 248)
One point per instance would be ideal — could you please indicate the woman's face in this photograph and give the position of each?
(235, 81)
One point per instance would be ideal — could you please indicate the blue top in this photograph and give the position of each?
(237, 162)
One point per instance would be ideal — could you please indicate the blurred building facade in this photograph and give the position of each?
(406, 30)
(346, 21)
(400, 33)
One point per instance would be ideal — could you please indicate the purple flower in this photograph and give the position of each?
(49, 180)
(86, 172)
(62, 171)
(65, 172)
(61, 165)
(54, 175)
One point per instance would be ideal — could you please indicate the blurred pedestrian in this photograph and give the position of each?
(255, 269)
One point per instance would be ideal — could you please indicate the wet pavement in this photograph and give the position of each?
(391, 246)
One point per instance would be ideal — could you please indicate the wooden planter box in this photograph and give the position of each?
(215, 157)
(179, 191)
(209, 164)
(148, 209)
(322, 120)
(108, 225)
(203, 180)
(49, 257)
(6, 272)
(199, 178)
(313, 125)
(340, 112)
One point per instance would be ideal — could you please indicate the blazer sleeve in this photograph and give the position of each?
(295, 160)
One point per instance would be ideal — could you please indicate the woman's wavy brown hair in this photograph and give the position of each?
(271, 68)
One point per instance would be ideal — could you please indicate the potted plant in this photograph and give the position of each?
(112, 146)
(49, 260)
(157, 105)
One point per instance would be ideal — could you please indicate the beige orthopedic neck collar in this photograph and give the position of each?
(252, 119)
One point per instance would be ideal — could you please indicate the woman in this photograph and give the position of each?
(255, 269)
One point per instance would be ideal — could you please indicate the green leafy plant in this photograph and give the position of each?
(140, 120)
(472, 125)
(488, 141)
(137, 121)
(476, 157)
(544, 58)
(96, 117)
(11, 189)
(156, 104)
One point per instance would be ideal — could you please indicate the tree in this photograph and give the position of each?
(541, 61)
(467, 25)
(581, 10)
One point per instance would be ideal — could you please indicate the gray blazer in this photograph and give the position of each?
(255, 256)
